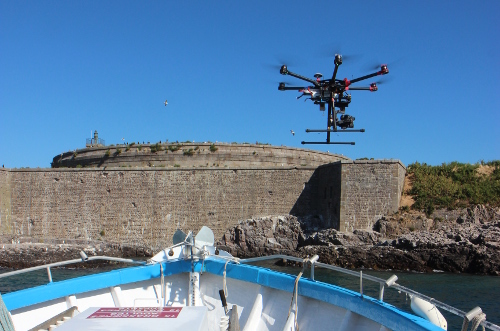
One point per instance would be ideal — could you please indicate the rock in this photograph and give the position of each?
(470, 243)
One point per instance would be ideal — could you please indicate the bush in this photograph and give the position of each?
(107, 154)
(156, 148)
(453, 185)
(188, 152)
(118, 151)
(213, 148)
(404, 209)
(174, 148)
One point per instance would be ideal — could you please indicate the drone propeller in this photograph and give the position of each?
(384, 80)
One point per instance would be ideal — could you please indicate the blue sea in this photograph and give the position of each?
(461, 291)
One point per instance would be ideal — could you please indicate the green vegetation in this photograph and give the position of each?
(156, 148)
(454, 185)
(174, 148)
(213, 148)
(188, 152)
(102, 233)
(139, 147)
(107, 154)
(118, 151)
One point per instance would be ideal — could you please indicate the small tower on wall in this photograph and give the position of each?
(96, 141)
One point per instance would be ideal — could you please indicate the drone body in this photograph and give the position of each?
(332, 93)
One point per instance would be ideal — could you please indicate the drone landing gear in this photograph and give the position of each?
(328, 142)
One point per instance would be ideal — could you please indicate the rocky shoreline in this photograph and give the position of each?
(467, 241)
(28, 254)
(460, 241)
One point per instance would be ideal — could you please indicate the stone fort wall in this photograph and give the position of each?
(144, 206)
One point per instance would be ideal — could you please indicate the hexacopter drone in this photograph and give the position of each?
(332, 92)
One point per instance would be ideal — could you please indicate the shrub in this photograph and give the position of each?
(118, 151)
(453, 185)
(174, 148)
(213, 148)
(139, 147)
(177, 165)
(107, 154)
(188, 152)
(404, 209)
(156, 148)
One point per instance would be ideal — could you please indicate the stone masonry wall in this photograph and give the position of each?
(369, 190)
(5, 202)
(195, 155)
(143, 206)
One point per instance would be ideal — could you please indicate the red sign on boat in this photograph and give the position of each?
(138, 312)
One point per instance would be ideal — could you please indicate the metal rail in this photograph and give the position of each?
(62, 263)
(311, 261)
(382, 283)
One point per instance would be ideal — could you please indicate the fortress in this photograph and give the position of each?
(139, 194)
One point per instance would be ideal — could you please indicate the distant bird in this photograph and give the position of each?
(166, 103)
(292, 132)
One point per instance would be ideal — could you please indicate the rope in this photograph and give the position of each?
(294, 296)
(476, 321)
(224, 285)
(5, 320)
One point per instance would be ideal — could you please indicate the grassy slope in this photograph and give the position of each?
(453, 185)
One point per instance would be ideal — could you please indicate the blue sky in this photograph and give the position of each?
(70, 67)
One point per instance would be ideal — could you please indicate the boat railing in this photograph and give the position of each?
(311, 262)
(390, 282)
(84, 258)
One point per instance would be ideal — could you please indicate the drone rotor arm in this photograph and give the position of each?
(282, 87)
(359, 89)
(312, 81)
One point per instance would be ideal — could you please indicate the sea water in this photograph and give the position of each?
(461, 291)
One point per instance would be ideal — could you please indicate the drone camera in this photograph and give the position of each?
(346, 121)
(383, 69)
(373, 87)
(281, 87)
(284, 70)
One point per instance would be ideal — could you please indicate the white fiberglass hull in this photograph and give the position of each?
(262, 297)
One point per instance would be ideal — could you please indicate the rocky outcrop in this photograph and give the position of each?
(24, 255)
(468, 241)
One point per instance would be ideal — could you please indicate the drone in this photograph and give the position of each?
(331, 93)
